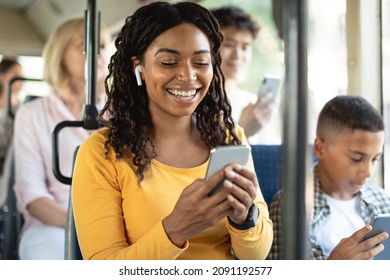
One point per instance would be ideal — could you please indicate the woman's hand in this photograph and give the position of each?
(242, 185)
(196, 210)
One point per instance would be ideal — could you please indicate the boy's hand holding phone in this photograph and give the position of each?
(353, 248)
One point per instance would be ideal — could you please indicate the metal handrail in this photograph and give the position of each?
(90, 118)
(9, 92)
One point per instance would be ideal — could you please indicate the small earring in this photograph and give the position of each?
(137, 72)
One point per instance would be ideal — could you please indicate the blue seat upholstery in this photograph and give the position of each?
(268, 166)
(268, 161)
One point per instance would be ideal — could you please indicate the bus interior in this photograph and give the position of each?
(321, 49)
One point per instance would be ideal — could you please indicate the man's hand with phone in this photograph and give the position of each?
(255, 116)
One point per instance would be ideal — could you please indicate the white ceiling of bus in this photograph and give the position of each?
(15, 4)
(26, 24)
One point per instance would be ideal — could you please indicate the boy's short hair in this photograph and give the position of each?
(347, 112)
(235, 17)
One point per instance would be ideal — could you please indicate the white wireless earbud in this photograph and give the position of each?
(137, 71)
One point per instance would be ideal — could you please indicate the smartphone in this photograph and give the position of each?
(224, 155)
(271, 85)
(380, 223)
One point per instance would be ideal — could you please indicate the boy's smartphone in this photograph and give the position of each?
(380, 223)
(270, 85)
(224, 155)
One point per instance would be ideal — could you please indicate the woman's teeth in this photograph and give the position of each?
(182, 93)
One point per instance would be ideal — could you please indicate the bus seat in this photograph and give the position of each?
(7, 173)
(72, 248)
(29, 98)
(267, 160)
(11, 219)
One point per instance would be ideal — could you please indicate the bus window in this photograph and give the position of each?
(327, 56)
(386, 85)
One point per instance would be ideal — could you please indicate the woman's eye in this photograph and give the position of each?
(168, 64)
(356, 159)
(202, 64)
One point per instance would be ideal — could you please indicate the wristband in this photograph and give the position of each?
(250, 221)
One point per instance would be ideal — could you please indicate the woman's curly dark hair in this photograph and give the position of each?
(129, 121)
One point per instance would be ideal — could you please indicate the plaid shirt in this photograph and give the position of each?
(373, 201)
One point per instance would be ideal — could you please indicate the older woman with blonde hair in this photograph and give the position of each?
(41, 198)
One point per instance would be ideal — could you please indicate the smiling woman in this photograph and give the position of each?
(167, 108)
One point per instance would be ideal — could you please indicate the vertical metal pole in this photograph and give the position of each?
(90, 118)
(295, 156)
(92, 32)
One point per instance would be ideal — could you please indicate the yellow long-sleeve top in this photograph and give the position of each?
(118, 219)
